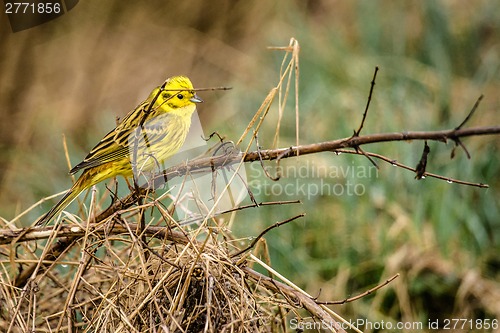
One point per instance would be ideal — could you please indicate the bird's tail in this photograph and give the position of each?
(80, 185)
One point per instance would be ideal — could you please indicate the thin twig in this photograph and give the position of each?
(366, 293)
(256, 239)
(358, 149)
(210, 89)
(268, 175)
(458, 142)
(268, 203)
(426, 174)
(471, 112)
(365, 113)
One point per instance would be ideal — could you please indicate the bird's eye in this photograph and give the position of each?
(180, 96)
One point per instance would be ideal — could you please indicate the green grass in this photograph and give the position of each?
(429, 80)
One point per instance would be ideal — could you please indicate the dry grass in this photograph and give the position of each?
(108, 280)
(104, 277)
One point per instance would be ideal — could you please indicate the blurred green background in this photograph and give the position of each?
(76, 74)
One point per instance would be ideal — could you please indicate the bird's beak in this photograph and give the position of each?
(196, 99)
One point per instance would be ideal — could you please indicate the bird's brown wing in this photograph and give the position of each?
(115, 145)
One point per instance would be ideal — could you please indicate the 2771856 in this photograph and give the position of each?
(32, 8)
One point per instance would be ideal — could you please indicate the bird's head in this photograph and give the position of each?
(176, 93)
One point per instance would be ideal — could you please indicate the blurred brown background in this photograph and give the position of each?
(75, 74)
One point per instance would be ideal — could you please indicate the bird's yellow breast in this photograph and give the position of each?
(157, 140)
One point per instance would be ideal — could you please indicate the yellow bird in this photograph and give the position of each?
(151, 133)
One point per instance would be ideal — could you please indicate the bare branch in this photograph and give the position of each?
(352, 142)
(207, 164)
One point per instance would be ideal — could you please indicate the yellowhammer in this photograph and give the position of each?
(151, 133)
